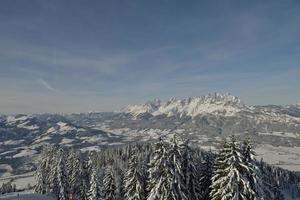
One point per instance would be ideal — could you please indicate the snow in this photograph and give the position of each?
(218, 104)
(285, 157)
(21, 180)
(281, 134)
(66, 141)
(26, 195)
(13, 119)
(91, 148)
(13, 142)
(65, 127)
(7, 170)
(25, 152)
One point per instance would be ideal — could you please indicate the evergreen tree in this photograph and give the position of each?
(42, 172)
(61, 176)
(253, 173)
(228, 181)
(159, 178)
(121, 184)
(94, 191)
(134, 181)
(76, 175)
(205, 174)
(191, 175)
(166, 179)
(109, 186)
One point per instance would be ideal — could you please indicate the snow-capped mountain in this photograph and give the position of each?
(219, 104)
(204, 120)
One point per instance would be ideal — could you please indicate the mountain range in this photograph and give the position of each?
(204, 120)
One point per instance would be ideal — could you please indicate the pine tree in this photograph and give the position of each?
(228, 181)
(205, 174)
(94, 191)
(159, 180)
(134, 181)
(253, 173)
(42, 172)
(109, 186)
(61, 176)
(191, 175)
(166, 179)
(76, 175)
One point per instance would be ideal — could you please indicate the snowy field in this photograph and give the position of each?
(284, 157)
(27, 195)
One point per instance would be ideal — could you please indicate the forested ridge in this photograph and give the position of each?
(171, 170)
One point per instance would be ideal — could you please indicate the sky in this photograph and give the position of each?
(64, 56)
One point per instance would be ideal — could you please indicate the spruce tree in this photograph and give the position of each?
(178, 189)
(61, 176)
(94, 191)
(109, 186)
(190, 172)
(166, 178)
(253, 174)
(228, 181)
(205, 170)
(134, 181)
(159, 178)
(42, 172)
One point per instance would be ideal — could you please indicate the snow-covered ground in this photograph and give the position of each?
(26, 195)
(22, 181)
(285, 157)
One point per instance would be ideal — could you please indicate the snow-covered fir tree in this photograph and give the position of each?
(178, 189)
(134, 180)
(76, 175)
(253, 173)
(62, 176)
(205, 167)
(170, 174)
(228, 181)
(121, 189)
(190, 173)
(159, 176)
(109, 185)
(166, 178)
(94, 192)
(42, 172)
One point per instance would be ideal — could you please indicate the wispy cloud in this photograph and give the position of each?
(48, 86)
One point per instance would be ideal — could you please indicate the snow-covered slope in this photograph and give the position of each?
(26, 195)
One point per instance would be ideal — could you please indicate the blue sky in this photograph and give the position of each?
(76, 56)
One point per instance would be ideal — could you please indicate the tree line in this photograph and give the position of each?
(163, 170)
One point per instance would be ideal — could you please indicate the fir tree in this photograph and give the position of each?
(166, 179)
(178, 189)
(191, 175)
(229, 181)
(94, 191)
(42, 172)
(61, 177)
(205, 174)
(159, 178)
(134, 181)
(109, 186)
(253, 173)
(76, 175)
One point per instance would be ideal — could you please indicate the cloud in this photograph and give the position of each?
(48, 86)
